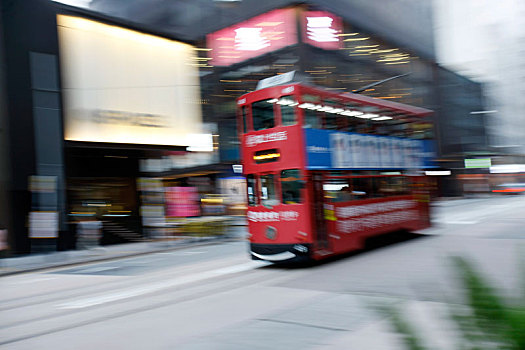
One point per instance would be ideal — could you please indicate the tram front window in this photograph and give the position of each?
(268, 193)
(287, 110)
(291, 185)
(252, 196)
(262, 115)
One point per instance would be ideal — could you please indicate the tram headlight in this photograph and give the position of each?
(271, 232)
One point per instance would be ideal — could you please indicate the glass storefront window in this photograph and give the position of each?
(262, 115)
(252, 188)
(268, 192)
(291, 185)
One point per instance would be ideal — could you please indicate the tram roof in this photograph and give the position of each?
(382, 106)
(396, 106)
(363, 100)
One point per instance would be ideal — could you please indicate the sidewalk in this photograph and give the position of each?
(34, 262)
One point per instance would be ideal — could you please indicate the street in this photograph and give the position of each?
(214, 297)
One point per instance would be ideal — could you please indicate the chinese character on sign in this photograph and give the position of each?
(320, 29)
(250, 39)
(258, 35)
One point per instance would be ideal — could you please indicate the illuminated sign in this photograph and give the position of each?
(322, 29)
(123, 86)
(267, 156)
(259, 35)
(250, 39)
(438, 173)
(237, 168)
(477, 163)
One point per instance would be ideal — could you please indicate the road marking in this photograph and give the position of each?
(125, 294)
(32, 280)
(450, 222)
(240, 268)
(192, 253)
(97, 269)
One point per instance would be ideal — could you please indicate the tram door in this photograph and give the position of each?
(318, 208)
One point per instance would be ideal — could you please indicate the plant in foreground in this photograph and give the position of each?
(488, 322)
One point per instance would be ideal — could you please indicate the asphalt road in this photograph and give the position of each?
(214, 297)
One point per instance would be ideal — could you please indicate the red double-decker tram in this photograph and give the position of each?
(325, 171)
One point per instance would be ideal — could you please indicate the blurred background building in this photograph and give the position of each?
(84, 141)
(395, 25)
(488, 48)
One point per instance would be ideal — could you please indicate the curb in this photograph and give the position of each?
(197, 241)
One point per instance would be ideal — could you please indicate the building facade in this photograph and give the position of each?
(101, 122)
(488, 48)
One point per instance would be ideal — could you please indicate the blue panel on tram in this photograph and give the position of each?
(328, 149)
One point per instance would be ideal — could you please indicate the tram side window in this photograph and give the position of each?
(393, 186)
(375, 184)
(287, 110)
(252, 194)
(338, 190)
(262, 115)
(312, 119)
(402, 185)
(268, 192)
(363, 188)
(330, 121)
(291, 185)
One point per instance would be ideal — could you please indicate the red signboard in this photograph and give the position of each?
(254, 37)
(322, 29)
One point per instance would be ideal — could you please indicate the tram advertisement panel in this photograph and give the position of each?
(283, 223)
(350, 220)
(328, 149)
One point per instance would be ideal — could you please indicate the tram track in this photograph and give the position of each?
(156, 300)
